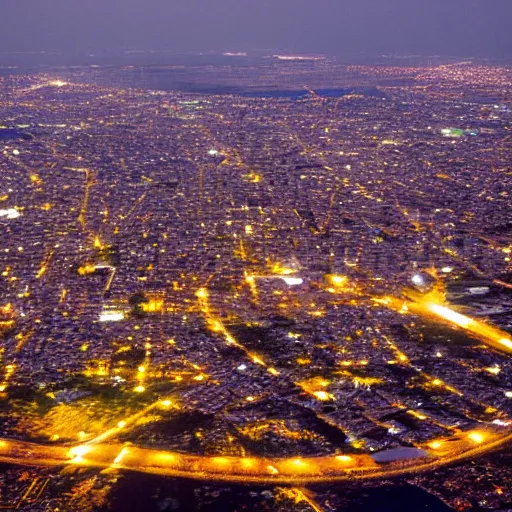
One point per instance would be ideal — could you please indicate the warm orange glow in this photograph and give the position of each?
(88, 268)
(153, 306)
(506, 343)
(323, 395)
(247, 463)
(121, 455)
(220, 461)
(215, 325)
(232, 468)
(476, 437)
(451, 316)
(77, 453)
(279, 269)
(58, 83)
(258, 360)
(337, 282)
(202, 293)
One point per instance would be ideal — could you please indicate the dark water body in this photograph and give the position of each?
(148, 493)
(291, 94)
(191, 80)
(12, 134)
(185, 78)
(400, 499)
(301, 94)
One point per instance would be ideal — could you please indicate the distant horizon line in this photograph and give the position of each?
(242, 52)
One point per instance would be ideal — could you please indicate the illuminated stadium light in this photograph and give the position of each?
(418, 280)
(10, 213)
(452, 132)
(111, 316)
(292, 281)
(213, 152)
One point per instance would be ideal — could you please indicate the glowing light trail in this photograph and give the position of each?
(255, 469)
(451, 316)
(485, 332)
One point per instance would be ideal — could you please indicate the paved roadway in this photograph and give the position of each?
(250, 469)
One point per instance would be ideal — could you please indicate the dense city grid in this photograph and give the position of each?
(285, 288)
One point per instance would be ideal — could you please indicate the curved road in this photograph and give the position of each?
(250, 469)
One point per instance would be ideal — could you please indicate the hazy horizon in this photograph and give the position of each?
(334, 27)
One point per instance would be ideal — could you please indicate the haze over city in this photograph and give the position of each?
(338, 27)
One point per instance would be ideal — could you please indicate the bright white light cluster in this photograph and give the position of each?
(10, 213)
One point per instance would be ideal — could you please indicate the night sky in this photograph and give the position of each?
(444, 27)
